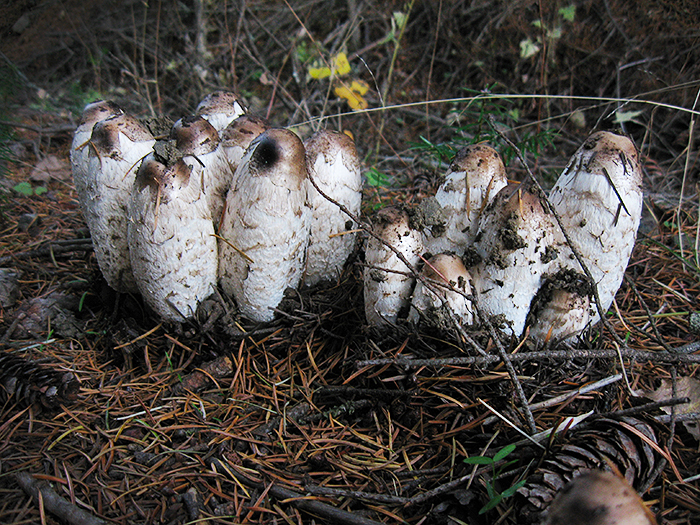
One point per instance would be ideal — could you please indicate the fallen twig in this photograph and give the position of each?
(324, 511)
(55, 504)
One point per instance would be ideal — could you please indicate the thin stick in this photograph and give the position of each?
(54, 503)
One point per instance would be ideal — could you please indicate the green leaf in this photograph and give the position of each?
(512, 490)
(375, 177)
(491, 504)
(568, 13)
(24, 188)
(40, 190)
(503, 453)
(479, 460)
(528, 48)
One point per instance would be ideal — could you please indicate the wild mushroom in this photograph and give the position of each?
(450, 280)
(562, 307)
(171, 236)
(599, 199)
(220, 108)
(235, 139)
(117, 146)
(473, 179)
(516, 244)
(598, 498)
(388, 282)
(92, 114)
(334, 166)
(265, 230)
(197, 139)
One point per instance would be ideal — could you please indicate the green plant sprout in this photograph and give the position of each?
(25, 188)
(477, 128)
(495, 497)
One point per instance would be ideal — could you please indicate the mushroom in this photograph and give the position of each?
(473, 179)
(199, 142)
(562, 307)
(599, 200)
(450, 280)
(598, 498)
(334, 166)
(220, 108)
(92, 114)
(171, 237)
(235, 139)
(388, 282)
(117, 145)
(516, 245)
(265, 230)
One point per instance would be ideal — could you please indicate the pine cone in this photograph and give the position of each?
(602, 444)
(30, 383)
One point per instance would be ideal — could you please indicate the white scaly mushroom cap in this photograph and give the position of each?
(517, 245)
(171, 236)
(333, 164)
(117, 146)
(599, 199)
(387, 293)
(265, 230)
(235, 139)
(220, 108)
(80, 148)
(472, 181)
(598, 498)
(562, 307)
(441, 271)
(199, 142)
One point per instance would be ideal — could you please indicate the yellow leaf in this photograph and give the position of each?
(319, 72)
(359, 86)
(341, 66)
(354, 100)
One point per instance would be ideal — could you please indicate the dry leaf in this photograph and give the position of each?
(50, 168)
(685, 387)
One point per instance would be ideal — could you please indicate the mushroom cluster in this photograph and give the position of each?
(220, 198)
(531, 265)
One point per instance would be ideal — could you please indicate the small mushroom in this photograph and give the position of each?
(265, 230)
(117, 146)
(472, 181)
(388, 282)
(92, 114)
(334, 166)
(235, 139)
(599, 200)
(516, 245)
(598, 498)
(562, 307)
(450, 280)
(171, 236)
(199, 142)
(220, 108)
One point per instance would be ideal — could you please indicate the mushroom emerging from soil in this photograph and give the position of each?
(388, 282)
(598, 498)
(435, 307)
(197, 139)
(599, 199)
(516, 244)
(334, 166)
(117, 146)
(220, 108)
(473, 179)
(562, 307)
(171, 235)
(265, 230)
